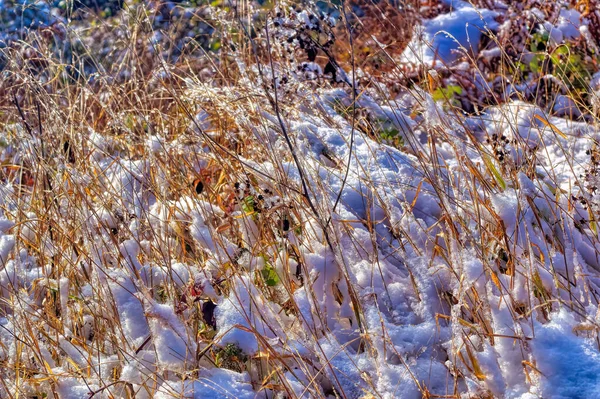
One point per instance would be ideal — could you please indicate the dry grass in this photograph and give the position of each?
(70, 137)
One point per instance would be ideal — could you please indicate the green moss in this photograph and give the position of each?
(231, 357)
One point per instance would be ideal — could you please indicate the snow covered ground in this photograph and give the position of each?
(283, 246)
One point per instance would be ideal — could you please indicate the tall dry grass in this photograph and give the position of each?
(78, 123)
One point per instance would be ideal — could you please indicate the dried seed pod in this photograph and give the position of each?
(68, 151)
(198, 186)
(285, 224)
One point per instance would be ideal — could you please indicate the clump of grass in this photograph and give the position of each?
(148, 186)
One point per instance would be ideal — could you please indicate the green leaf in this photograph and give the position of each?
(215, 45)
(535, 65)
(248, 204)
(490, 165)
(269, 274)
(443, 93)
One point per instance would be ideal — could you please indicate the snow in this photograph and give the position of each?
(433, 271)
(180, 274)
(567, 27)
(569, 23)
(446, 37)
(569, 364)
(63, 289)
(5, 224)
(238, 313)
(473, 269)
(566, 107)
(211, 384)
(342, 368)
(131, 311)
(140, 368)
(7, 243)
(174, 347)
(129, 177)
(555, 35)
(71, 388)
(7, 334)
(299, 385)
(155, 144)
